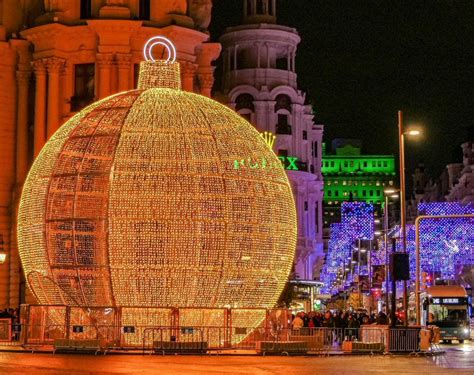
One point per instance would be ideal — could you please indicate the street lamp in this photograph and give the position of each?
(388, 193)
(401, 145)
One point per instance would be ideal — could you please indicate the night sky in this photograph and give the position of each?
(360, 61)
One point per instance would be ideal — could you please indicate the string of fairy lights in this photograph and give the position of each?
(446, 244)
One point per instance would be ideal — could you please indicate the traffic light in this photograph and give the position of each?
(425, 280)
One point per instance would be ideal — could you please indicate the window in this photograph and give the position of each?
(344, 183)
(86, 9)
(371, 193)
(144, 9)
(345, 164)
(336, 193)
(282, 63)
(364, 193)
(244, 101)
(385, 164)
(329, 193)
(306, 206)
(282, 152)
(260, 7)
(365, 164)
(305, 134)
(83, 86)
(332, 164)
(283, 102)
(351, 163)
(282, 126)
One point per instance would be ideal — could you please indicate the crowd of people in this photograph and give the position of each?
(339, 319)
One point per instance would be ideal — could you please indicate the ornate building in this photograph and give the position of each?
(260, 83)
(58, 56)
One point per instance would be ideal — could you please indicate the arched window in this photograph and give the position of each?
(244, 101)
(283, 102)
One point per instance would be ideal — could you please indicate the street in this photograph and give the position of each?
(458, 359)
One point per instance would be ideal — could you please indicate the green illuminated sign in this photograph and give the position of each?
(288, 162)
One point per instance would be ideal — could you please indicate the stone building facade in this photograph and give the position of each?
(58, 56)
(260, 83)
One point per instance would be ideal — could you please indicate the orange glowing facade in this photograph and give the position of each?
(137, 202)
(58, 57)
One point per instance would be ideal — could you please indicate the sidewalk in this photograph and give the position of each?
(48, 349)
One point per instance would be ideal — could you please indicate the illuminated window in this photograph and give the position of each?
(377, 183)
(344, 182)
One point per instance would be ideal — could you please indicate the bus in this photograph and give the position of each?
(446, 306)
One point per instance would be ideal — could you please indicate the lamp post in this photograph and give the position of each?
(387, 193)
(401, 145)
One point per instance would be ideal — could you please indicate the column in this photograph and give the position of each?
(54, 65)
(206, 81)
(288, 60)
(104, 61)
(235, 56)
(123, 61)
(259, 51)
(293, 60)
(22, 80)
(40, 106)
(188, 71)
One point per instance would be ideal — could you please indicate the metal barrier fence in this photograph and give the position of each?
(180, 338)
(404, 339)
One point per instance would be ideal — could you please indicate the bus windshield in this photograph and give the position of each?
(447, 316)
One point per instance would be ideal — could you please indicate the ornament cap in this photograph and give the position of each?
(159, 73)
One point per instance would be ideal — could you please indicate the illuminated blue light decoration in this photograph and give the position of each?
(357, 224)
(359, 217)
(447, 244)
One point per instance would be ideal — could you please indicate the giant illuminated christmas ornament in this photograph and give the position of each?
(136, 202)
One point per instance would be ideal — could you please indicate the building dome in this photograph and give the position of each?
(157, 197)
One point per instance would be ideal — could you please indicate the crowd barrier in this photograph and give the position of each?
(124, 329)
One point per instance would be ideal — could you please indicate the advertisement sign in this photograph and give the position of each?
(364, 283)
(378, 276)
